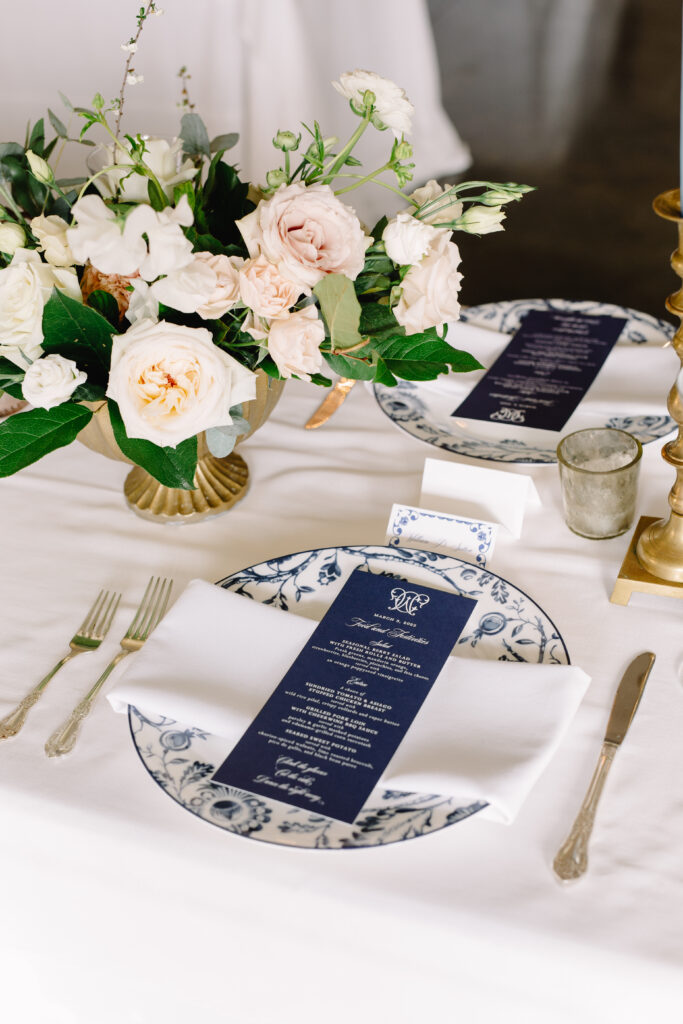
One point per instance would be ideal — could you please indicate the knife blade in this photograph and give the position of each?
(572, 857)
(330, 403)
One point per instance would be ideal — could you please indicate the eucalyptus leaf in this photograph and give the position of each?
(195, 136)
(27, 436)
(172, 467)
(341, 310)
(221, 440)
(223, 142)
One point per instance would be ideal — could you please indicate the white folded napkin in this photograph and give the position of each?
(633, 381)
(485, 732)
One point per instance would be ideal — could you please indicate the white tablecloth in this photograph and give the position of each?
(119, 906)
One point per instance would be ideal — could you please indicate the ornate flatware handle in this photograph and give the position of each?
(64, 738)
(12, 723)
(572, 857)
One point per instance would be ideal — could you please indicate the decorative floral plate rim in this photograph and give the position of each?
(407, 404)
(506, 624)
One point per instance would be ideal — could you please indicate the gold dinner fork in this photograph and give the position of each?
(151, 609)
(87, 638)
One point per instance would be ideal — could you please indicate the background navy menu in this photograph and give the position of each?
(324, 737)
(542, 375)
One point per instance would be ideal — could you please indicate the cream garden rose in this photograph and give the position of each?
(294, 343)
(52, 241)
(429, 291)
(308, 233)
(25, 287)
(225, 293)
(51, 380)
(171, 382)
(264, 290)
(393, 109)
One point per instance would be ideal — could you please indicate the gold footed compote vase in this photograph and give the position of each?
(220, 482)
(654, 561)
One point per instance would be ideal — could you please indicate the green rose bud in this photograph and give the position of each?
(40, 168)
(286, 141)
(276, 178)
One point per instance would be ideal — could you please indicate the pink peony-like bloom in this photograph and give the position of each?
(308, 233)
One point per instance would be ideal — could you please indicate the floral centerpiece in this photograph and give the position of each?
(161, 282)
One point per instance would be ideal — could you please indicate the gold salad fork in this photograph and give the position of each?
(151, 609)
(87, 638)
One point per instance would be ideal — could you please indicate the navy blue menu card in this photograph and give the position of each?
(545, 371)
(324, 737)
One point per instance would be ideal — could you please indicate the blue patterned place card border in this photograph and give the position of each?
(424, 529)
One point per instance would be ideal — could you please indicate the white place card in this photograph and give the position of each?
(423, 528)
(489, 495)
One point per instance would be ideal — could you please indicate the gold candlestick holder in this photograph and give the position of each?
(654, 561)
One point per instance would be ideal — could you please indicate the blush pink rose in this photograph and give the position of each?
(264, 290)
(294, 343)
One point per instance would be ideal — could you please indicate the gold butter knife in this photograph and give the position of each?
(572, 858)
(330, 403)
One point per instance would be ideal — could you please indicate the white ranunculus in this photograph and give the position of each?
(171, 382)
(25, 287)
(51, 234)
(186, 289)
(169, 249)
(142, 304)
(161, 157)
(264, 290)
(226, 291)
(482, 220)
(429, 291)
(112, 245)
(308, 233)
(12, 237)
(392, 107)
(51, 380)
(406, 239)
(442, 208)
(294, 343)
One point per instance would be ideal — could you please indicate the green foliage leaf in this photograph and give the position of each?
(172, 467)
(106, 305)
(185, 188)
(346, 366)
(11, 378)
(157, 196)
(36, 141)
(27, 436)
(317, 378)
(222, 201)
(195, 136)
(78, 332)
(377, 319)
(341, 310)
(421, 357)
(378, 229)
(223, 142)
(58, 125)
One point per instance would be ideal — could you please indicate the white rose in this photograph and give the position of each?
(482, 220)
(171, 382)
(51, 380)
(186, 289)
(448, 208)
(169, 249)
(112, 246)
(226, 289)
(308, 233)
(12, 237)
(294, 343)
(393, 109)
(406, 239)
(264, 290)
(142, 304)
(25, 287)
(161, 157)
(51, 235)
(429, 291)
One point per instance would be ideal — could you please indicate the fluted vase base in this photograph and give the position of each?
(221, 483)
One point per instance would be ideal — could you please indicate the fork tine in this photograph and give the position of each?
(93, 612)
(143, 626)
(141, 610)
(103, 627)
(160, 608)
(152, 612)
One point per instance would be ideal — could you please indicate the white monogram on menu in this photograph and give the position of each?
(509, 415)
(408, 601)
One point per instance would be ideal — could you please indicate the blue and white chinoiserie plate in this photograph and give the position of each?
(506, 625)
(424, 408)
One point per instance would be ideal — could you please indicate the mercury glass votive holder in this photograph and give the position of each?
(599, 476)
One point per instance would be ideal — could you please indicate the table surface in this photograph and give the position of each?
(119, 906)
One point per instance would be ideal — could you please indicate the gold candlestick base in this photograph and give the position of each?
(633, 578)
